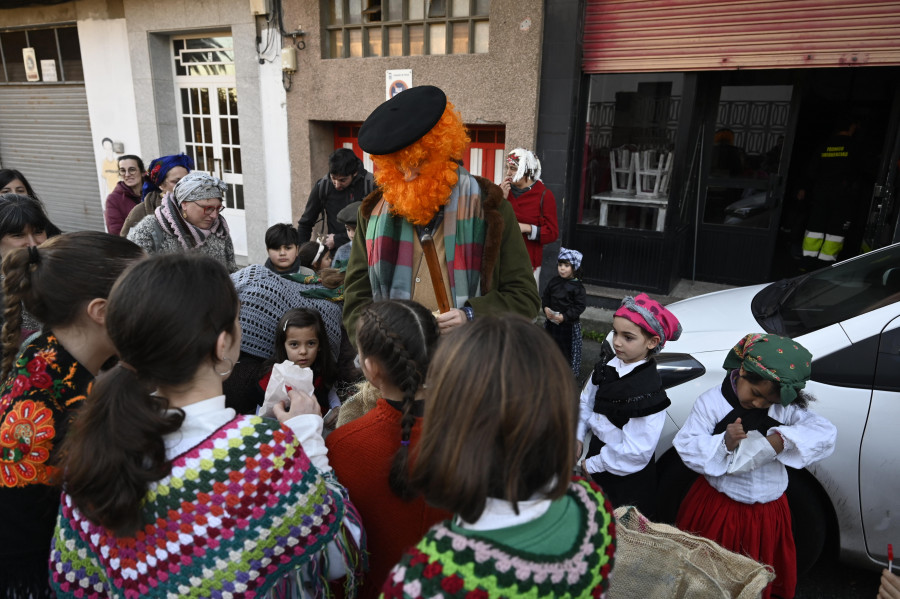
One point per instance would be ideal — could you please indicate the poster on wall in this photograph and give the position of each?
(31, 67)
(48, 70)
(396, 81)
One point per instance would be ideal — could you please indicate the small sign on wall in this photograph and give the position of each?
(48, 70)
(31, 67)
(396, 81)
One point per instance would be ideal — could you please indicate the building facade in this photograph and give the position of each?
(695, 126)
(485, 54)
(146, 78)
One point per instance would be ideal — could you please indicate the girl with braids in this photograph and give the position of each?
(497, 450)
(371, 454)
(64, 284)
(254, 502)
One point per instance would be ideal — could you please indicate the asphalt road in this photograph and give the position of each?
(830, 579)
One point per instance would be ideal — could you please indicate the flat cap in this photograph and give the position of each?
(347, 214)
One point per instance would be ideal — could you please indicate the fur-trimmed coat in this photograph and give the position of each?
(507, 280)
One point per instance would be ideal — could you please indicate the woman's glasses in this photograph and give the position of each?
(208, 210)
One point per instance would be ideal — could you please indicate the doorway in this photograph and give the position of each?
(760, 134)
(207, 110)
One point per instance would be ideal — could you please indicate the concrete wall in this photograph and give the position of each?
(150, 26)
(500, 87)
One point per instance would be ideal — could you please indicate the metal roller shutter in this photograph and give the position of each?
(45, 133)
(630, 36)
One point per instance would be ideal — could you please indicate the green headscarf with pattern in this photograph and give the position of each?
(775, 358)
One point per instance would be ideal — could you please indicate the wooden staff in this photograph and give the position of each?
(434, 269)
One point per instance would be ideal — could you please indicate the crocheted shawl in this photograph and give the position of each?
(237, 513)
(389, 245)
(168, 215)
(265, 296)
(448, 564)
(638, 393)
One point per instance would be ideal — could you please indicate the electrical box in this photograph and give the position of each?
(289, 59)
(258, 7)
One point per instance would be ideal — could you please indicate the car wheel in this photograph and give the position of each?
(674, 480)
(809, 519)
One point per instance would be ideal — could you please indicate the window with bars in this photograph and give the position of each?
(362, 28)
(59, 44)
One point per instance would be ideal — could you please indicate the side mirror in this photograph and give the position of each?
(675, 369)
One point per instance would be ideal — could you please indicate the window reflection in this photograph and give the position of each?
(629, 149)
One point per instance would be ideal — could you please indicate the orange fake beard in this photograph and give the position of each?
(418, 200)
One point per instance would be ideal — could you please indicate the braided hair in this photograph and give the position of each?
(401, 336)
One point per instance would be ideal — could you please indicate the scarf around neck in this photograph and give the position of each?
(638, 393)
(753, 419)
(390, 241)
(170, 220)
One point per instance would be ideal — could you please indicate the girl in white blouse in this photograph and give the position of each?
(623, 405)
(740, 436)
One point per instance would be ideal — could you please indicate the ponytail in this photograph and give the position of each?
(57, 280)
(164, 316)
(116, 449)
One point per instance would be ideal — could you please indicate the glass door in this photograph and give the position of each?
(882, 224)
(207, 106)
(746, 150)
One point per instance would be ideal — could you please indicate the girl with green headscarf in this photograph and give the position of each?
(741, 436)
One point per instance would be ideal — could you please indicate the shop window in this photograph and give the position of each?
(57, 56)
(363, 28)
(746, 145)
(629, 150)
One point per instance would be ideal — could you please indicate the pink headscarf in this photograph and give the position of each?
(651, 316)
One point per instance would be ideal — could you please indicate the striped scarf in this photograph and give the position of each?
(390, 239)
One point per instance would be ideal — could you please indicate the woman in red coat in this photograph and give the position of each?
(533, 203)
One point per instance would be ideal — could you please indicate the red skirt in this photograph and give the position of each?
(761, 531)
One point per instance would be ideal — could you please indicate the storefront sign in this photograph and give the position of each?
(396, 81)
(31, 68)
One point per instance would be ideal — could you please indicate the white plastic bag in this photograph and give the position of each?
(752, 452)
(285, 374)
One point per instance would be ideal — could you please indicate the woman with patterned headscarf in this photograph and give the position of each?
(162, 176)
(533, 203)
(741, 436)
(188, 220)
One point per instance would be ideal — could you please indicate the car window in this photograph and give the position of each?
(842, 291)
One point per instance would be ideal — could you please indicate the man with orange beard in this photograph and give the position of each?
(425, 199)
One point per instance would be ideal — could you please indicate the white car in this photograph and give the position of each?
(848, 316)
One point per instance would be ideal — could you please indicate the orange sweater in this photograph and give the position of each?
(360, 453)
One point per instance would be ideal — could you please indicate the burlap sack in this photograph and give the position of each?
(359, 404)
(659, 561)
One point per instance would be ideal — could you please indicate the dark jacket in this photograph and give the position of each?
(144, 209)
(119, 205)
(566, 296)
(325, 198)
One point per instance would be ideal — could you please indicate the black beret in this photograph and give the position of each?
(402, 120)
(347, 214)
